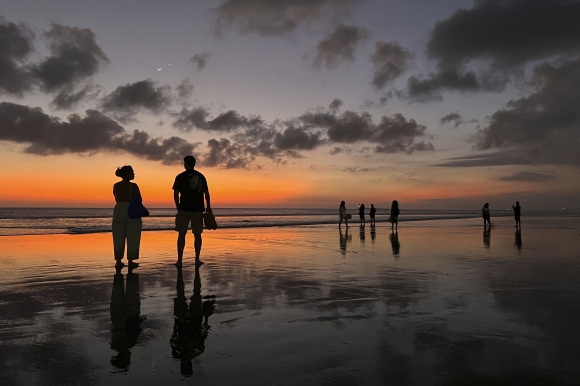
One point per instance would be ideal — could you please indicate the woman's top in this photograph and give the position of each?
(361, 210)
(373, 211)
(485, 211)
(394, 210)
(122, 191)
(342, 212)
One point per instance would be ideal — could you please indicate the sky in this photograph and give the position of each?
(293, 103)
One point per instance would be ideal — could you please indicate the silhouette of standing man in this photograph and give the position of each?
(517, 212)
(189, 190)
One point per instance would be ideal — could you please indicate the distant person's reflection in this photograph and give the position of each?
(125, 317)
(395, 245)
(344, 238)
(487, 237)
(190, 329)
(373, 233)
(361, 235)
(518, 242)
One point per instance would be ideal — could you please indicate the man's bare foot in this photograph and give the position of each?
(178, 263)
(198, 262)
(133, 265)
(119, 265)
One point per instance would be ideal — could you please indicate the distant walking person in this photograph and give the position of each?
(342, 215)
(517, 211)
(361, 213)
(372, 214)
(394, 218)
(189, 190)
(125, 228)
(485, 214)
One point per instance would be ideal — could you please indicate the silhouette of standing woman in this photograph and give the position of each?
(125, 228)
(394, 218)
(342, 214)
(517, 211)
(361, 213)
(372, 214)
(485, 214)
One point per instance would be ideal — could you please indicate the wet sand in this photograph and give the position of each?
(444, 303)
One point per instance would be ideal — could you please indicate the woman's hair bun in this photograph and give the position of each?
(123, 171)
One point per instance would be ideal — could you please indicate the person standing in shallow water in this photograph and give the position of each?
(372, 214)
(342, 215)
(485, 214)
(394, 218)
(189, 191)
(361, 214)
(125, 228)
(517, 211)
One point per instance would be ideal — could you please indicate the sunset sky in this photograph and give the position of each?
(293, 103)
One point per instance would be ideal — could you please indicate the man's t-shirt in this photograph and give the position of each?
(191, 185)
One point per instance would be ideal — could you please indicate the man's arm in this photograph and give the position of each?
(207, 200)
(176, 198)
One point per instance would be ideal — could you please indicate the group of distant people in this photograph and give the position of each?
(191, 197)
(393, 218)
(487, 217)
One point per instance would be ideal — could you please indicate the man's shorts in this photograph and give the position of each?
(183, 218)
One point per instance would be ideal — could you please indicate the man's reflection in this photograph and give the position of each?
(125, 317)
(487, 237)
(373, 233)
(191, 326)
(361, 236)
(344, 237)
(518, 242)
(395, 245)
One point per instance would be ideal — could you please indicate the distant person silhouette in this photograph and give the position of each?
(394, 217)
(395, 245)
(126, 320)
(189, 190)
(517, 212)
(486, 215)
(518, 241)
(342, 215)
(190, 329)
(372, 214)
(361, 214)
(125, 228)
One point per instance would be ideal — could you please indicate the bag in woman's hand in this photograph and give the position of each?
(209, 220)
(136, 208)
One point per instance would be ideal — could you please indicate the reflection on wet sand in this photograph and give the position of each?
(125, 318)
(191, 324)
(395, 244)
(373, 233)
(343, 239)
(487, 237)
(361, 235)
(518, 241)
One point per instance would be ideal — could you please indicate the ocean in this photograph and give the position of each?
(35, 221)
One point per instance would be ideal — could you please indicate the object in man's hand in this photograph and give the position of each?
(209, 220)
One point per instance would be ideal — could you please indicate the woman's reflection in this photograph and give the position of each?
(373, 233)
(487, 237)
(395, 245)
(125, 317)
(361, 235)
(518, 242)
(344, 237)
(191, 326)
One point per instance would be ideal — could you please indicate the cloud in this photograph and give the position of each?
(276, 18)
(335, 105)
(356, 169)
(68, 98)
(197, 118)
(298, 139)
(528, 177)
(15, 47)
(75, 56)
(339, 150)
(200, 60)
(389, 61)
(47, 135)
(127, 100)
(497, 38)
(452, 117)
(545, 125)
(339, 46)
(185, 89)
(229, 155)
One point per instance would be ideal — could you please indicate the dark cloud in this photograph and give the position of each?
(389, 61)
(200, 60)
(298, 139)
(339, 46)
(488, 159)
(68, 98)
(356, 169)
(75, 56)
(544, 126)
(47, 135)
(185, 89)
(398, 134)
(15, 46)
(478, 49)
(528, 177)
(335, 105)
(127, 100)
(275, 18)
(454, 117)
(339, 150)
(226, 154)
(197, 118)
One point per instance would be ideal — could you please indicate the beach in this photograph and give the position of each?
(442, 303)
